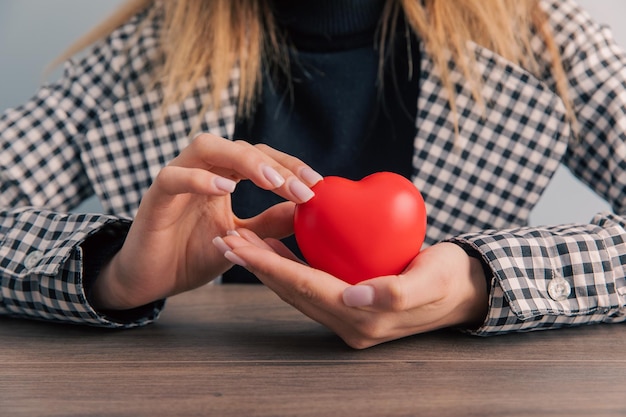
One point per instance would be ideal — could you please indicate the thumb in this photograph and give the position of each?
(389, 293)
(275, 222)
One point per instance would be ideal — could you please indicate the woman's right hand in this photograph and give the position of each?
(169, 247)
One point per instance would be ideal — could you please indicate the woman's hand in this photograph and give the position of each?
(442, 287)
(168, 249)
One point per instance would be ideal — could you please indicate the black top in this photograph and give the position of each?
(337, 117)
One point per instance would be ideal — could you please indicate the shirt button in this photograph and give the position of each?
(559, 289)
(33, 259)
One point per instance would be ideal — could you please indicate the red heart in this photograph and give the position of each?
(356, 230)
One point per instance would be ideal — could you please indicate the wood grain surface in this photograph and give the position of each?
(239, 351)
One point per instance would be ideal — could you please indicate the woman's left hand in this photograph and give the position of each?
(442, 287)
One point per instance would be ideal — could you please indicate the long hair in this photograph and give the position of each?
(212, 37)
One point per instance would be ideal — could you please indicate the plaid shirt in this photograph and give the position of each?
(97, 131)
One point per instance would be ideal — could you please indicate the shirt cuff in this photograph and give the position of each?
(98, 249)
(544, 278)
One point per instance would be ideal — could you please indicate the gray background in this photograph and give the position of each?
(34, 32)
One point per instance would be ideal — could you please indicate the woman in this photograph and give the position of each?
(477, 102)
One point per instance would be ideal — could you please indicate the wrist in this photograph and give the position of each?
(98, 253)
(472, 296)
(479, 293)
(107, 293)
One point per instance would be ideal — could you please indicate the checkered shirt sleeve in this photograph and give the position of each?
(550, 277)
(42, 175)
(41, 267)
(555, 276)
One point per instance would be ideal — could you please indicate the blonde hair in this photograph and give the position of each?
(211, 37)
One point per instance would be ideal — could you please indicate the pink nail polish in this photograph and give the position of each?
(358, 296)
(221, 245)
(301, 191)
(225, 184)
(272, 176)
(234, 258)
(310, 177)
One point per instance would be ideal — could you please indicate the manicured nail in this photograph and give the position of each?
(233, 233)
(301, 191)
(310, 177)
(224, 184)
(358, 296)
(234, 258)
(221, 245)
(272, 176)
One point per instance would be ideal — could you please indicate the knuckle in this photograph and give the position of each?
(263, 147)
(201, 144)
(358, 343)
(164, 175)
(247, 152)
(398, 298)
(243, 144)
(201, 139)
(373, 330)
(364, 337)
(306, 292)
(369, 329)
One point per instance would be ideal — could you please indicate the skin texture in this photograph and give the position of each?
(169, 247)
(442, 287)
(185, 234)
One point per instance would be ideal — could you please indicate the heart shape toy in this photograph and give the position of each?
(357, 230)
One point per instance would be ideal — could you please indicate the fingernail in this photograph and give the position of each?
(301, 191)
(224, 184)
(358, 296)
(272, 176)
(233, 233)
(310, 177)
(221, 245)
(234, 258)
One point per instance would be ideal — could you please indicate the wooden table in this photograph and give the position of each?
(240, 351)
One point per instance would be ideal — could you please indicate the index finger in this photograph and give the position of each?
(287, 177)
(294, 282)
